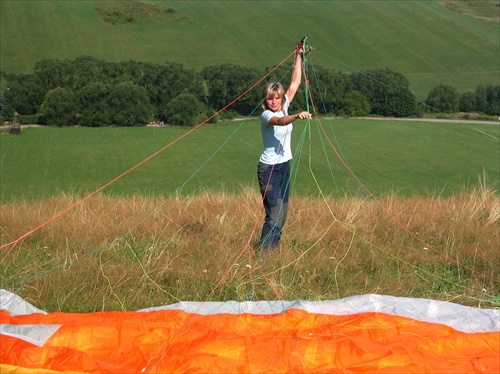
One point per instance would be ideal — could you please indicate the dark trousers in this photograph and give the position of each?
(274, 181)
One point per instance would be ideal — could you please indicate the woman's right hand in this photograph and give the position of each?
(304, 115)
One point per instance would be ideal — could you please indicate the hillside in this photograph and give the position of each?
(425, 40)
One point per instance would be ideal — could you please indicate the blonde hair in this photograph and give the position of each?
(271, 90)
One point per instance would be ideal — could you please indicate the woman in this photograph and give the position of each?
(274, 163)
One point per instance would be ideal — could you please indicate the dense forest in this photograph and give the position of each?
(87, 91)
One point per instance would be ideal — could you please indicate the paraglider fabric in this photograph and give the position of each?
(368, 333)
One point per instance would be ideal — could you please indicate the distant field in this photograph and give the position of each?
(425, 40)
(387, 156)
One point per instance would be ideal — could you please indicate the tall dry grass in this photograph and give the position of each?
(125, 254)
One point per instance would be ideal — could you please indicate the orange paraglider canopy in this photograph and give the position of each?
(369, 333)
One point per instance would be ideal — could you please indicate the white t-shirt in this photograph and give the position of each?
(277, 139)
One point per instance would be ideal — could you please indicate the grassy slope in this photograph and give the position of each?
(408, 157)
(426, 41)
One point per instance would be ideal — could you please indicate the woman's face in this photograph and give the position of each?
(274, 102)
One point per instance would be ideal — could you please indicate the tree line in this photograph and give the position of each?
(88, 91)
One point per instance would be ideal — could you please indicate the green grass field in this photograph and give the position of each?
(428, 42)
(403, 157)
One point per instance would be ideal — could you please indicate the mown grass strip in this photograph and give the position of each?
(387, 156)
